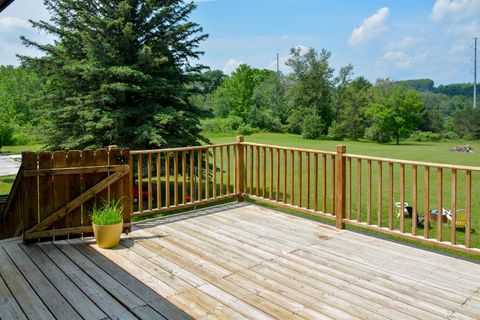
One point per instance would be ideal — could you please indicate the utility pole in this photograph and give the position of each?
(278, 64)
(475, 73)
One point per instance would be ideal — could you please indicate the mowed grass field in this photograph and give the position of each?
(437, 152)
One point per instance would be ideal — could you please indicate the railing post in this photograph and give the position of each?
(340, 187)
(239, 188)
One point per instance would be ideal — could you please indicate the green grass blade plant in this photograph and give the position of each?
(109, 213)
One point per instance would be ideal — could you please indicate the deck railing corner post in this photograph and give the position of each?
(340, 188)
(239, 169)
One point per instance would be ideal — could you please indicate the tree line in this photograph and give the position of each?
(314, 101)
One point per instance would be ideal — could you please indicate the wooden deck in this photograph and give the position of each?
(231, 262)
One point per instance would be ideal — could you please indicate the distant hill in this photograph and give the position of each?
(454, 89)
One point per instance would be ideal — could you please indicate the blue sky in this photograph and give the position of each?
(400, 39)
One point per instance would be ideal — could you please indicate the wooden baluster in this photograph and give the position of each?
(167, 179)
(207, 174)
(175, 178)
(140, 182)
(264, 171)
(192, 175)
(221, 171)
(228, 170)
(390, 195)
(379, 194)
(453, 233)
(292, 177)
(214, 172)
(251, 170)
(315, 181)
(324, 183)
(258, 168)
(200, 174)
(285, 176)
(307, 160)
(414, 200)
(468, 210)
(359, 190)
(184, 177)
(277, 189)
(402, 196)
(299, 186)
(271, 174)
(369, 192)
(426, 200)
(439, 203)
(149, 175)
(159, 180)
(349, 166)
(332, 195)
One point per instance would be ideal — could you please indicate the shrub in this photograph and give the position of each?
(336, 132)
(425, 136)
(6, 133)
(374, 134)
(313, 127)
(109, 213)
(231, 123)
(265, 119)
(450, 135)
(245, 129)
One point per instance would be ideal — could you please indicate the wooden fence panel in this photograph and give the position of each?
(88, 181)
(59, 189)
(54, 193)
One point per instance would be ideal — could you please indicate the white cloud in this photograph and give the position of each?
(10, 23)
(231, 65)
(454, 9)
(403, 44)
(370, 27)
(401, 60)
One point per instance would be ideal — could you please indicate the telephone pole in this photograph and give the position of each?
(475, 73)
(278, 64)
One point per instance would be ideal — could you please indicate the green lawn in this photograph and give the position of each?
(19, 149)
(428, 152)
(6, 183)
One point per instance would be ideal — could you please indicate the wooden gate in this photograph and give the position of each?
(54, 193)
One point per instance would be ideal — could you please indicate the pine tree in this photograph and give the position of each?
(119, 72)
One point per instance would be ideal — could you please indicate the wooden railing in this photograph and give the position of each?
(405, 196)
(296, 178)
(172, 179)
(54, 192)
(384, 195)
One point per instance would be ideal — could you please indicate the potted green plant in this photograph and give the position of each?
(107, 222)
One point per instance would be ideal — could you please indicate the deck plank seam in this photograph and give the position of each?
(10, 290)
(122, 303)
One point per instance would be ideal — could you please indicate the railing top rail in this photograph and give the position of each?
(417, 163)
(183, 148)
(289, 148)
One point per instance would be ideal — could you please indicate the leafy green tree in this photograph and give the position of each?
(355, 100)
(466, 123)
(18, 104)
(269, 110)
(119, 72)
(235, 95)
(311, 89)
(395, 111)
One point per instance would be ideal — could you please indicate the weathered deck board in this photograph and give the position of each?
(236, 262)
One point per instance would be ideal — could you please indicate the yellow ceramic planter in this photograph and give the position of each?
(108, 236)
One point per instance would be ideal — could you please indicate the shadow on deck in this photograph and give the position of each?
(235, 261)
